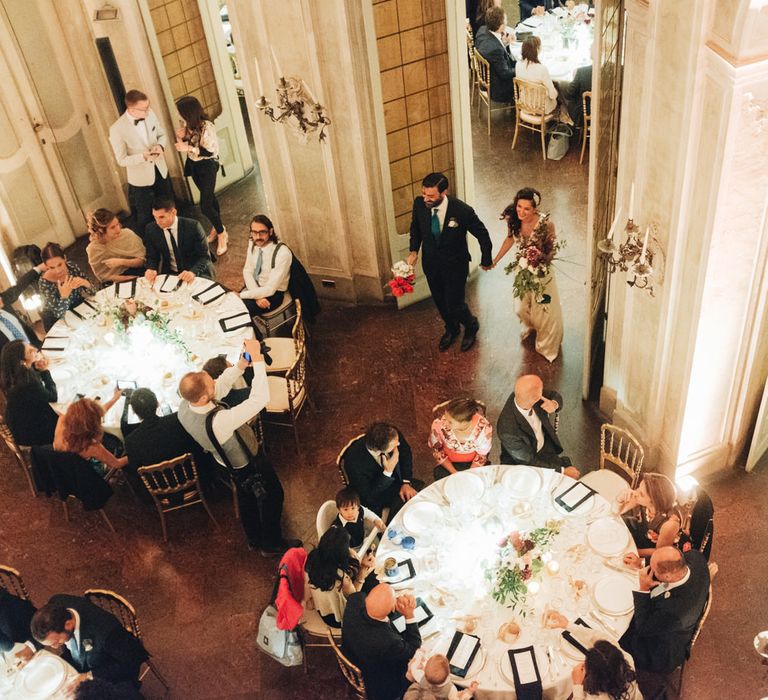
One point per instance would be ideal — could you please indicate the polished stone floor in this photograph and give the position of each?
(200, 596)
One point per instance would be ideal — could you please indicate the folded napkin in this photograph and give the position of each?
(526, 673)
(462, 652)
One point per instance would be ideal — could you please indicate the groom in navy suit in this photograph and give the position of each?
(439, 226)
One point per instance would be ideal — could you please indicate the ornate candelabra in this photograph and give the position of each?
(297, 109)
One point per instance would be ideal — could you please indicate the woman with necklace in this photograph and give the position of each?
(460, 437)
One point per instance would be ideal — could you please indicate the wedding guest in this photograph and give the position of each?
(372, 643)
(15, 616)
(379, 466)
(477, 19)
(492, 43)
(460, 437)
(436, 679)
(526, 433)
(115, 254)
(333, 573)
(353, 516)
(215, 367)
(581, 83)
(267, 269)
(531, 69)
(653, 516)
(80, 430)
(197, 138)
(63, 285)
(12, 326)
(29, 391)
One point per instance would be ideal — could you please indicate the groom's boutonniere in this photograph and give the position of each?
(87, 645)
(452, 223)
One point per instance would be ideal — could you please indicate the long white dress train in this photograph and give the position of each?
(545, 319)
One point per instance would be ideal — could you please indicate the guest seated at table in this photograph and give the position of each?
(80, 430)
(99, 689)
(176, 245)
(673, 593)
(115, 254)
(90, 639)
(379, 466)
(529, 68)
(267, 268)
(63, 285)
(572, 92)
(371, 642)
(492, 43)
(526, 434)
(15, 616)
(653, 517)
(13, 327)
(29, 391)
(476, 10)
(240, 389)
(333, 573)
(436, 679)
(353, 516)
(461, 436)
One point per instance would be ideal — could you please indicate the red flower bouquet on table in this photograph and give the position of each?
(402, 283)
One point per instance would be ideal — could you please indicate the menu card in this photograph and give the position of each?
(125, 290)
(170, 284)
(462, 652)
(422, 614)
(85, 310)
(526, 673)
(210, 294)
(574, 496)
(55, 343)
(236, 322)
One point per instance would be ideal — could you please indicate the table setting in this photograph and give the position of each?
(44, 677)
(489, 553)
(137, 334)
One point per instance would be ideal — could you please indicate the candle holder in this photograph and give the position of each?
(634, 255)
(296, 108)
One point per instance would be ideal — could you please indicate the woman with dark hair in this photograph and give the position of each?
(531, 69)
(115, 254)
(539, 313)
(333, 573)
(197, 138)
(62, 286)
(460, 437)
(605, 674)
(267, 268)
(29, 391)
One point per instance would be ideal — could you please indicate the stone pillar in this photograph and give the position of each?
(685, 369)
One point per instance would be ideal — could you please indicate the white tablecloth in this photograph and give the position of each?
(453, 546)
(96, 356)
(14, 682)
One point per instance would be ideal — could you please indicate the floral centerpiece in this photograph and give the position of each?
(133, 313)
(518, 562)
(403, 279)
(532, 261)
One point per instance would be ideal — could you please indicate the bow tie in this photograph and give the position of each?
(136, 121)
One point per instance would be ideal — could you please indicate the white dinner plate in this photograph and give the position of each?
(43, 676)
(505, 665)
(422, 516)
(523, 482)
(613, 595)
(463, 486)
(568, 650)
(608, 537)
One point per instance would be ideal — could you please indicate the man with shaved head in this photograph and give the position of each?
(673, 592)
(371, 642)
(525, 431)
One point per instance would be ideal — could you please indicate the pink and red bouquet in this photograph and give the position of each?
(402, 283)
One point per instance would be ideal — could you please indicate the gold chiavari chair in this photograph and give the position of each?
(352, 674)
(483, 75)
(11, 580)
(284, 351)
(531, 111)
(20, 453)
(586, 107)
(288, 394)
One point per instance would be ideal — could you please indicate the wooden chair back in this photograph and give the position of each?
(340, 460)
(296, 378)
(351, 673)
(11, 580)
(622, 450)
(530, 97)
(298, 332)
(586, 108)
(483, 69)
(702, 619)
(118, 606)
(20, 453)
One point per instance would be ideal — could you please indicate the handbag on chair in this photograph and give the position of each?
(284, 646)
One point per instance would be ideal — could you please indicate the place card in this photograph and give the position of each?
(125, 290)
(405, 572)
(236, 322)
(210, 294)
(170, 284)
(462, 652)
(574, 496)
(525, 671)
(85, 310)
(422, 614)
(54, 343)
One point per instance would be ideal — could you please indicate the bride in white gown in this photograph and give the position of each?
(535, 237)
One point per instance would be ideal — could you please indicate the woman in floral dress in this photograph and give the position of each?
(460, 437)
(537, 302)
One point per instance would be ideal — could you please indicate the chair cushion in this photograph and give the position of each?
(278, 395)
(312, 623)
(607, 483)
(287, 301)
(283, 353)
(536, 118)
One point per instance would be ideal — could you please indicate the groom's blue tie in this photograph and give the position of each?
(435, 224)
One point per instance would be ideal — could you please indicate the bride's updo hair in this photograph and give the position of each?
(513, 222)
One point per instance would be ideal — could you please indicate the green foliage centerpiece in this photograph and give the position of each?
(135, 315)
(519, 561)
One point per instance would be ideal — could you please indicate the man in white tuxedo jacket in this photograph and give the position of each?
(138, 141)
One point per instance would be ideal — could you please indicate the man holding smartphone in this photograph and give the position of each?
(259, 491)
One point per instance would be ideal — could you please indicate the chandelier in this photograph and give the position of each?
(297, 109)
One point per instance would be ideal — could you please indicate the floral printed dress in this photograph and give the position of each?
(463, 453)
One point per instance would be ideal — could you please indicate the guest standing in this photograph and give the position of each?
(115, 254)
(63, 285)
(197, 138)
(267, 269)
(138, 142)
(531, 69)
(439, 226)
(29, 391)
(460, 437)
(537, 313)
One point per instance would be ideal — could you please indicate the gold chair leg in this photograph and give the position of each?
(583, 145)
(543, 142)
(517, 127)
(66, 509)
(235, 502)
(210, 515)
(162, 524)
(489, 114)
(106, 519)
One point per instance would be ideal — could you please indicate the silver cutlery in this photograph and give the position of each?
(605, 623)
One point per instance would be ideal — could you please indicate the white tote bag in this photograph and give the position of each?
(283, 646)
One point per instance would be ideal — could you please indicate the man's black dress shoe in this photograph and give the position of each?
(470, 334)
(279, 548)
(447, 340)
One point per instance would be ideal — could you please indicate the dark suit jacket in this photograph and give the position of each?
(107, 649)
(501, 62)
(366, 476)
(10, 296)
(15, 616)
(380, 651)
(192, 244)
(581, 83)
(661, 629)
(450, 251)
(157, 439)
(519, 441)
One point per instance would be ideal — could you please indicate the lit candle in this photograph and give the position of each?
(613, 227)
(553, 567)
(631, 201)
(533, 587)
(645, 244)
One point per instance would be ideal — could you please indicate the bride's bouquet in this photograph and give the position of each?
(532, 261)
(402, 283)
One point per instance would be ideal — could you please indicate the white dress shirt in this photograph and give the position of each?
(535, 422)
(270, 279)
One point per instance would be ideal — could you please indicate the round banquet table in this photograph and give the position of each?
(44, 677)
(94, 356)
(457, 523)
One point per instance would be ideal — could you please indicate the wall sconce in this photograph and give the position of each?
(297, 109)
(106, 12)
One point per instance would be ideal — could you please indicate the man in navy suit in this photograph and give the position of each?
(492, 43)
(176, 245)
(439, 226)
